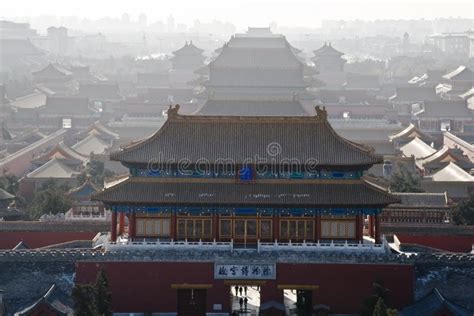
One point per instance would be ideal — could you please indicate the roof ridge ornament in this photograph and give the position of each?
(321, 114)
(173, 111)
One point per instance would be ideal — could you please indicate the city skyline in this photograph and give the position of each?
(302, 13)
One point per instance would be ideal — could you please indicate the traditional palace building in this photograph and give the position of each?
(250, 66)
(246, 179)
(254, 201)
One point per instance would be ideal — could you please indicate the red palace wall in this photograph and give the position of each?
(454, 243)
(37, 239)
(146, 286)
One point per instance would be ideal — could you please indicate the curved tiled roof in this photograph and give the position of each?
(62, 152)
(445, 155)
(57, 301)
(84, 191)
(263, 140)
(411, 131)
(452, 172)
(434, 303)
(53, 169)
(417, 148)
(327, 49)
(4, 195)
(197, 191)
(188, 49)
(91, 144)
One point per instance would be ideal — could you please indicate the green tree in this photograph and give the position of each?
(84, 298)
(96, 172)
(464, 212)
(9, 183)
(378, 292)
(104, 296)
(380, 308)
(50, 198)
(93, 299)
(405, 181)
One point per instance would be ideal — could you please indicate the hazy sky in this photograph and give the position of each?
(244, 12)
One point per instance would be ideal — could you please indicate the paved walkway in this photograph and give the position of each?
(289, 301)
(253, 301)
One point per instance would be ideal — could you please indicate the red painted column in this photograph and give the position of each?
(174, 226)
(377, 229)
(113, 231)
(276, 226)
(131, 226)
(121, 223)
(318, 227)
(359, 227)
(215, 226)
(371, 226)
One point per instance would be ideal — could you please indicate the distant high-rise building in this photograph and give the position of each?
(454, 45)
(406, 43)
(126, 18)
(143, 20)
(58, 40)
(171, 24)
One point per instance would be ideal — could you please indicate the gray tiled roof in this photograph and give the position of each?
(99, 90)
(415, 94)
(460, 73)
(228, 192)
(60, 303)
(18, 47)
(306, 139)
(445, 109)
(91, 144)
(188, 49)
(410, 132)
(252, 108)
(422, 199)
(434, 304)
(326, 50)
(257, 77)
(67, 105)
(53, 169)
(275, 41)
(256, 58)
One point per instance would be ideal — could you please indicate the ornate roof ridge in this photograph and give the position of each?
(173, 191)
(86, 183)
(174, 116)
(236, 181)
(319, 119)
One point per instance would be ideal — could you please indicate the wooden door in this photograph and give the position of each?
(245, 231)
(191, 302)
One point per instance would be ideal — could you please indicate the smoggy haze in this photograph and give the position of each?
(304, 13)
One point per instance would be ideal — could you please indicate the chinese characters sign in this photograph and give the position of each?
(245, 271)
